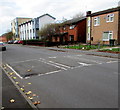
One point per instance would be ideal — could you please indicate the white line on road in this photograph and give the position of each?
(52, 64)
(60, 64)
(111, 61)
(52, 57)
(25, 61)
(52, 72)
(84, 64)
(14, 71)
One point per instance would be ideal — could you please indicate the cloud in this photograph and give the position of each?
(10, 9)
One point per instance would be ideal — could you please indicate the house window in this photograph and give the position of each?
(72, 38)
(64, 28)
(110, 18)
(88, 37)
(72, 26)
(107, 35)
(96, 21)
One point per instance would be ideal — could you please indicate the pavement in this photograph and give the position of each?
(64, 78)
(88, 52)
(9, 93)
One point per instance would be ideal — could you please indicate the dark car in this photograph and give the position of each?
(2, 46)
(10, 41)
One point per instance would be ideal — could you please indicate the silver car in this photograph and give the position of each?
(2, 46)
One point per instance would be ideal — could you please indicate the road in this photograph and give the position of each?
(63, 79)
(10, 92)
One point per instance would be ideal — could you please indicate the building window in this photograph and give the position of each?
(64, 28)
(110, 18)
(88, 36)
(96, 21)
(72, 38)
(107, 35)
(72, 26)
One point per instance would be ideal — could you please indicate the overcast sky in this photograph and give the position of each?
(10, 9)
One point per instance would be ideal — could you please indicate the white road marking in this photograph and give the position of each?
(25, 61)
(52, 64)
(84, 64)
(95, 61)
(79, 55)
(14, 71)
(41, 58)
(52, 72)
(111, 61)
(52, 57)
(60, 64)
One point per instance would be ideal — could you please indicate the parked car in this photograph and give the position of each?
(16, 42)
(10, 41)
(2, 46)
(20, 42)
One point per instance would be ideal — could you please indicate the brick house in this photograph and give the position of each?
(72, 31)
(3, 39)
(103, 26)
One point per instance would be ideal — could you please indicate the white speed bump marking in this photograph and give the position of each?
(52, 57)
(60, 64)
(84, 64)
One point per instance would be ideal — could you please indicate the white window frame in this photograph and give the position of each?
(109, 33)
(72, 27)
(109, 16)
(97, 19)
(88, 36)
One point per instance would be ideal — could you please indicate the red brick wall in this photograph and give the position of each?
(82, 31)
(3, 39)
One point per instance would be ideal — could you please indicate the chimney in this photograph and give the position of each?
(88, 13)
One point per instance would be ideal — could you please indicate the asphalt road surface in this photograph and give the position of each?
(9, 93)
(61, 79)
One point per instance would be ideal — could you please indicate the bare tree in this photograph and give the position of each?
(48, 31)
(9, 35)
(78, 15)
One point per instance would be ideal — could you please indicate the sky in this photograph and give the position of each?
(10, 9)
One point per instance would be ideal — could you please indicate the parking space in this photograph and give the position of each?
(56, 64)
(31, 68)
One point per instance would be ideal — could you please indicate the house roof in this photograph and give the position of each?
(75, 20)
(47, 15)
(106, 11)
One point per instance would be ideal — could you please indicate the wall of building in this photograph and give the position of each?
(79, 31)
(15, 26)
(3, 39)
(81, 28)
(45, 20)
(28, 30)
(88, 29)
(97, 31)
